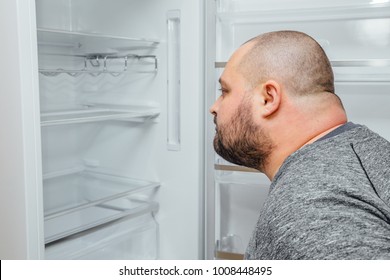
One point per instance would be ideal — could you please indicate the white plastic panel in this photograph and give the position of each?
(54, 14)
(239, 199)
(367, 104)
(363, 31)
(354, 39)
(174, 88)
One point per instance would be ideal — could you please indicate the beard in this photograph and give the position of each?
(241, 141)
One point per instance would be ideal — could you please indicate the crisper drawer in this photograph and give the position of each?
(79, 199)
(126, 238)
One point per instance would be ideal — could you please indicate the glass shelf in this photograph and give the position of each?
(97, 113)
(81, 43)
(131, 239)
(82, 188)
(84, 219)
(82, 198)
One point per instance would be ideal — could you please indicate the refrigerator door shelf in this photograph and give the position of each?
(135, 238)
(85, 188)
(362, 30)
(372, 71)
(237, 207)
(97, 113)
(52, 41)
(253, 14)
(231, 167)
(91, 217)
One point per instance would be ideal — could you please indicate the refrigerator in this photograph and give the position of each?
(106, 150)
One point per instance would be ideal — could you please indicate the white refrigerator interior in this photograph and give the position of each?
(109, 153)
(355, 34)
(120, 129)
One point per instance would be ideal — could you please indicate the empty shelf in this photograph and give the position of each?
(96, 114)
(84, 219)
(79, 199)
(82, 43)
(134, 238)
(85, 189)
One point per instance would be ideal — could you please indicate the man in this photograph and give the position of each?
(330, 191)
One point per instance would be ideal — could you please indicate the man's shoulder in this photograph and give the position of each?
(336, 154)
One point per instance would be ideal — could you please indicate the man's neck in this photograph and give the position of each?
(279, 156)
(321, 135)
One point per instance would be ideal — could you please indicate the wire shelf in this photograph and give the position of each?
(98, 64)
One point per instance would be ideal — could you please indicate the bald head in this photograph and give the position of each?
(277, 96)
(292, 58)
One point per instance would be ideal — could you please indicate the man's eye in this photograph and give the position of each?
(223, 91)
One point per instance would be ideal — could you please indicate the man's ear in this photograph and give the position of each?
(271, 96)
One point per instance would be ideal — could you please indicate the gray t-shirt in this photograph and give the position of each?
(329, 200)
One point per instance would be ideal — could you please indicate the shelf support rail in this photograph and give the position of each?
(341, 63)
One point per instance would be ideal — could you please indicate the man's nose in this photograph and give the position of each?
(214, 109)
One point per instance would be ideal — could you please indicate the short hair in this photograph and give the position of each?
(290, 57)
